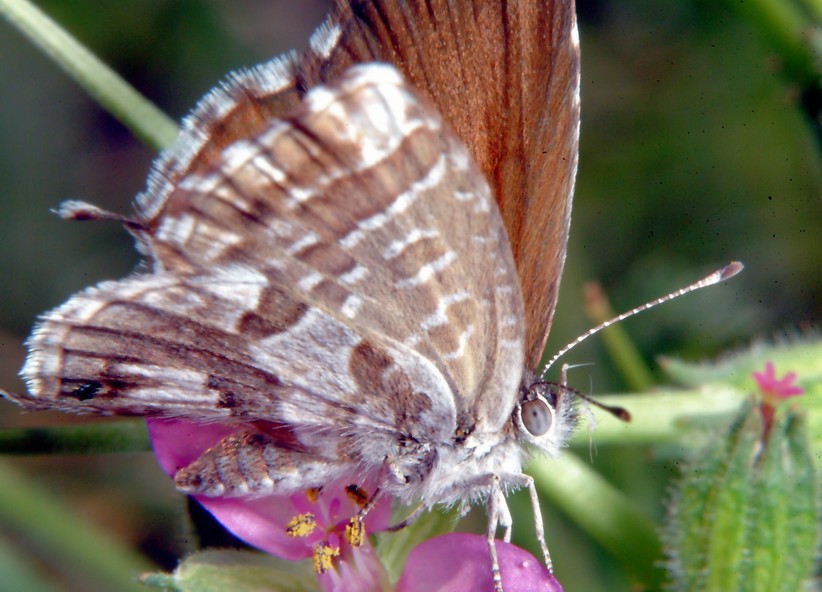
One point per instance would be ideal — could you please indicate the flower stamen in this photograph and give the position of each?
(301, 525)
(323, 557)
(355, 532)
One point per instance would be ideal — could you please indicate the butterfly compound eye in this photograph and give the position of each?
(537, 416)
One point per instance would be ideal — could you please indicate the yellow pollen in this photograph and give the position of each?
(355, 532)
(323, 557)
(301, 525)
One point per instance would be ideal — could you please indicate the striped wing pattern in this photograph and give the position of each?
(503, 75)
(315, 276)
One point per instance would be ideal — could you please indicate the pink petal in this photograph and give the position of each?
(260, 522)
(178, 443)
(458, 561)
(775, 388)
(764, 380)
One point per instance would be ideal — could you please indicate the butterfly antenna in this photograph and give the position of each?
(615, 410)
(727, 272)
(73, 209)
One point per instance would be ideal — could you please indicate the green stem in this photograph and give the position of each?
(145, 120)
(19, 572)
(625, 355)
(94, 438)
(661, 417)
(604, 513)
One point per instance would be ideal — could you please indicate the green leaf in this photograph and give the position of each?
(802, 355)
(66, 540)
(237, 571)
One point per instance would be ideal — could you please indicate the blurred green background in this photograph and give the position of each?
(694, 152)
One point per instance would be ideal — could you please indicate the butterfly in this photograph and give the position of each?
(353, 255)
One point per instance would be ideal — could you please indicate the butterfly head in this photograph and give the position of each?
(544, 416)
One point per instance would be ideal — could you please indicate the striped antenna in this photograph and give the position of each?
(727, 272)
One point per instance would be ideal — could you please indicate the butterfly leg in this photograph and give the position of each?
(524, 480)
(416, 513)
(498, 515)
(393, 475)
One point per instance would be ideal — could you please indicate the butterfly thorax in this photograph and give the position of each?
(460, 470)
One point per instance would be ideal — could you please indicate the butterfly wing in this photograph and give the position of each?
(298, 387)
(316, 273)
(504, 75)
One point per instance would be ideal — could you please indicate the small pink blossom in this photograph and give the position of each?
(458, 561)
(774, 390)
(262, 522)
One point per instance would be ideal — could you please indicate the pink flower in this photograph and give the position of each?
(263, 522)
(456, 562)
(452, 562)
(774, 390)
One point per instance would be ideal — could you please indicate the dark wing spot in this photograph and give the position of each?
(366, 366)
(227, 400)
(86, 391)
(277, 313)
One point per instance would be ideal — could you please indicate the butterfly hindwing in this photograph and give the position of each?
(172, 346)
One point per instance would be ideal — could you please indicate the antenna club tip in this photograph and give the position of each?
(730, 270)
(619, 412)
